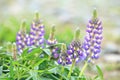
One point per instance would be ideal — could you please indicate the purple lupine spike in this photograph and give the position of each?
(51, 41)
(75, 49)
(93, 38)
(20, 38)
(64, 58)
(37, 32)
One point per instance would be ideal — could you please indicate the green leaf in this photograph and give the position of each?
(39, 62)
(1, 68)
(54, 70)
(34, 52)
(96, 77)
(44, 78)
(4, 55)
(76, 71)
(100, 72)
(82, 78)
(54, 77)
(74, 77)
(25, 52)
(47, 51)
(11, 70)
(34, 74)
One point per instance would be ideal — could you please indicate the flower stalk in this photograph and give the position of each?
(14, 51)
(71, 69)
(93, 39)
(62, 70)
(83, 69)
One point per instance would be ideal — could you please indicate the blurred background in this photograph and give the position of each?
(67, 15)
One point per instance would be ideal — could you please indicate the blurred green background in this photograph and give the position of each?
(67, 15)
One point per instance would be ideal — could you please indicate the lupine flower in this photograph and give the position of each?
(75, 50)
(51, 41)
(36, 32)
(21, 38)
(34, 38)
(55, 52)
(64, 58)
(93, 38)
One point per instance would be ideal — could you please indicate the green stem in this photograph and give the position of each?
(62, 70)
(69, 74)
(49, 58)
(84, 67)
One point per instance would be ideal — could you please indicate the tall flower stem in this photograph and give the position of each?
(83, 69)
(14, 51)
(73, 64)
(62, 70)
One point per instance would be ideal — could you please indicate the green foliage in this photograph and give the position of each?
(37, 65)
(100, 74)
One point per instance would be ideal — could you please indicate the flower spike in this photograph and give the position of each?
(93, 38)
(21, 38)
(64, 58)
(75, 48)
(37, 32)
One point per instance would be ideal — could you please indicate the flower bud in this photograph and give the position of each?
(64, 58)
(52, 40)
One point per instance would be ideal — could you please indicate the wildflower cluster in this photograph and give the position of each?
(35, 36)
(75, 51)
(71, 54)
